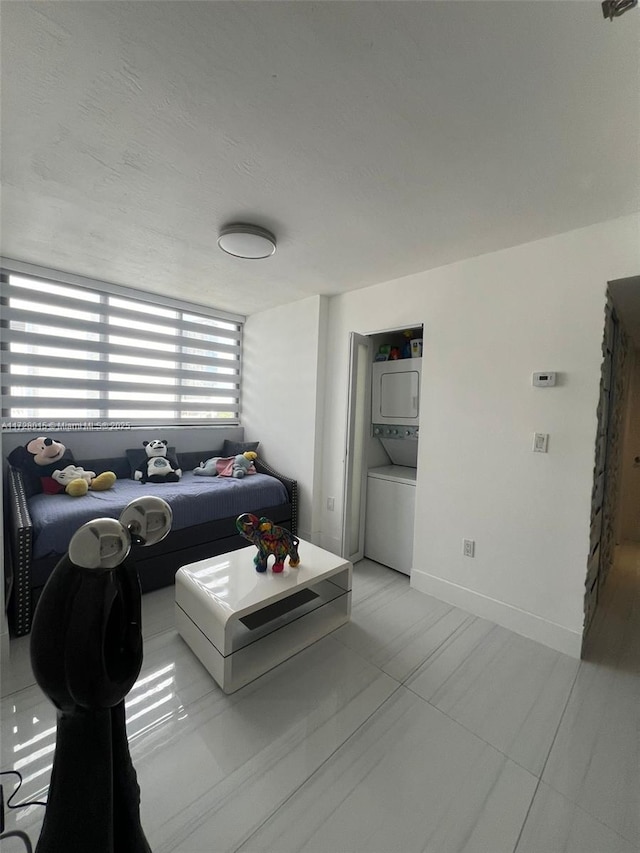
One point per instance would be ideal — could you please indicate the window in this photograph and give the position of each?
(78, 350)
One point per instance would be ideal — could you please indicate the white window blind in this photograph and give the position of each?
(75, 349)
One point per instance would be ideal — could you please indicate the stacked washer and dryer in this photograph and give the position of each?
(391, 489)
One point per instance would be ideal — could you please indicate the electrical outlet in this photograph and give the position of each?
(469, 547)
(331, 504)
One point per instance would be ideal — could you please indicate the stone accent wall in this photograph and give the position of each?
(607, 468)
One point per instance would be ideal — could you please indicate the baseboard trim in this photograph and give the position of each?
(527, 624)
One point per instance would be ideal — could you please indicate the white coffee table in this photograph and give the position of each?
(241, 623)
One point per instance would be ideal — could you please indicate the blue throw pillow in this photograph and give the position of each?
(233, 448)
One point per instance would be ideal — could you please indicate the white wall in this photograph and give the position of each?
(629, 506)
(283, 386)
(489, 322)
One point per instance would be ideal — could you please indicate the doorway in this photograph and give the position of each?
(615, 517)
(381, 458)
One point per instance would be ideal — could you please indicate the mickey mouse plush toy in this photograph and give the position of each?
(49, 466)
(38, 459)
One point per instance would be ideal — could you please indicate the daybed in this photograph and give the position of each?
(40, 526)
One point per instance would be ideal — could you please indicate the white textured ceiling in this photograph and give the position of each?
(376, 139)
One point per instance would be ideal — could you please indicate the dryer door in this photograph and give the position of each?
(399, 395)
(396, 392)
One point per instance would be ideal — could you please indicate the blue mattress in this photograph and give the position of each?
(193, 500)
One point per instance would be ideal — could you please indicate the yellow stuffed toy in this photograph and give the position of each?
(77, 481)
(243, 464)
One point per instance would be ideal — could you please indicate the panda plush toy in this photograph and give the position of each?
(159, 466)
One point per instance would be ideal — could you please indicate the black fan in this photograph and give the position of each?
(614, 8)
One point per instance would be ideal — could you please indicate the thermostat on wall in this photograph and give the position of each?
(544, 380)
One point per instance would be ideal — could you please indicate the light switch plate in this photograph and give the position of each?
(540, 442)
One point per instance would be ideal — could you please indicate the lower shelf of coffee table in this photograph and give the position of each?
(279, 631)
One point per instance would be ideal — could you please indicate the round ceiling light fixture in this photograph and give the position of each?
(247, 241)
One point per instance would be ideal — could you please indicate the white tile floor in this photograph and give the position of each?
(416, 727)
